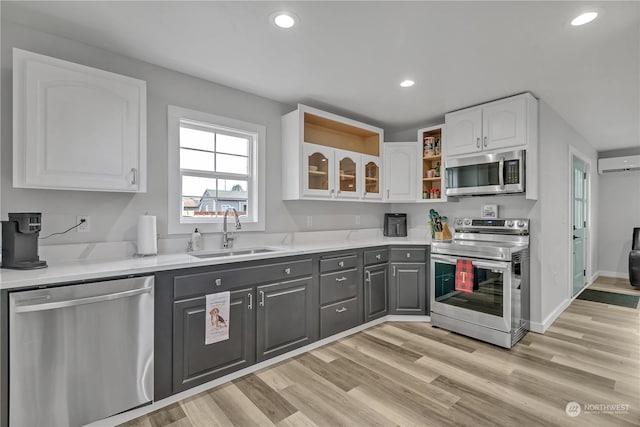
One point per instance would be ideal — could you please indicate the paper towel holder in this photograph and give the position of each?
(147, 243)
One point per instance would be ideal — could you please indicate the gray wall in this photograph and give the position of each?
(114, 215)
(619, 213)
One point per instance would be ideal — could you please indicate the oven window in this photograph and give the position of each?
(487, 289)
(474, 175)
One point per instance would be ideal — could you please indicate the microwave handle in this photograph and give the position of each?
(501, 173)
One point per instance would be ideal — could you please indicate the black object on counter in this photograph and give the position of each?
(20, 241)
(395, 224)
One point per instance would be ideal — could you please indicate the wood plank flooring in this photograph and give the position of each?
(411, 374)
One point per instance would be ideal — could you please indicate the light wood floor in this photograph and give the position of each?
(610, 284)
(412, 374)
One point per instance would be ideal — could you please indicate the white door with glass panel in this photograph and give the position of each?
(579, 202)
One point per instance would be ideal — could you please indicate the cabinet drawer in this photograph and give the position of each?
(339, 317)
(376, 256)
(338, 286)
(189, 285)
(408, 254)
(338, 263)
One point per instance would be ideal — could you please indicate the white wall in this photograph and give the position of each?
(619, 213)
(113, 215)
(551, 246)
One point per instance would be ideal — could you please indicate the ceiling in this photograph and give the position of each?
(351, 56)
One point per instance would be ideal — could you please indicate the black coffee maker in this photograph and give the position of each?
(20, 241)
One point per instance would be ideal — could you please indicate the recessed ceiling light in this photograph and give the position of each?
(584, 18)
(284, 20)
(407, 83)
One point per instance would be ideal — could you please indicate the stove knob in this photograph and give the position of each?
(467, 222)
(520, 224)
(509, 223)
(458, 221)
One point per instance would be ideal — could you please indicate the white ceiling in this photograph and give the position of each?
(352, 55)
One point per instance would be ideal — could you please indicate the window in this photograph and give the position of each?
(214, 164)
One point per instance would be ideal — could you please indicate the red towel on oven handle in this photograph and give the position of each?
(464, 275)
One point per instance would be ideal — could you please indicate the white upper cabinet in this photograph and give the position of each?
(464, 131)
(325, 156)
(400, 171)
(505, 123)
(76, 127)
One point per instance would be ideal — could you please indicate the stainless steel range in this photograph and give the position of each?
(493, 303)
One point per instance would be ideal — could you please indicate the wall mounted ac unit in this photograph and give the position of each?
(619, 164)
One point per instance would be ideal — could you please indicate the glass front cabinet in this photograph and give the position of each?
(325, 156)
(319, 171)
(371, 177)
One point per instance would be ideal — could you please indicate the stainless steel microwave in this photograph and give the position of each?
(485, 174)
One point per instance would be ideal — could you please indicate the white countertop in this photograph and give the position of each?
(83, 270)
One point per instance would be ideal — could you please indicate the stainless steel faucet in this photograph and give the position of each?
(227, 242)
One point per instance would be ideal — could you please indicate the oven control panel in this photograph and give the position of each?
(506, 225)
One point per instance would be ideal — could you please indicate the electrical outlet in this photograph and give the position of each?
(357, 219)
(84, 225)
(309, 221)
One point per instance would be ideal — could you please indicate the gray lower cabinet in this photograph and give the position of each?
(194, 362)
(375, 291)
(407, 290)
(286, 317)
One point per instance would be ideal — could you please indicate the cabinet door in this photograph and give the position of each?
(76, 127)
(408, 288)
(318, 171)
(348, 183)
(504, 123)
(464, 132)
(371, 177)
(375, 291)
(400, 170)
(286, 317)
(196, 363)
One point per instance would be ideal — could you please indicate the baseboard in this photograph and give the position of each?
(138, 412)
(614, 274)
(548, 321)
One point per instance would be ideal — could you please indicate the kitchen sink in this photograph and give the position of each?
(233, 252)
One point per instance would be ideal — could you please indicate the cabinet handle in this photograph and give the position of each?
(408, 254)
(393, 270)
(250, 306)
(261, 298)
(218, 282)
(341, 264)
(341, 279)
(287, 270)
(378, 257)
(134, 176)
(341, 310)
(331, 192)
(478, 142)
(367, 276)
(485, 142)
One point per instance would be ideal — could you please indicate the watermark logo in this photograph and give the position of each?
(573, 409)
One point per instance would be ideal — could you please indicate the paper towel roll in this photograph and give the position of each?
(147, 242)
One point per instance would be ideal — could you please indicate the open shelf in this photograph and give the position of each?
(431, 140)
(330, 133)
(317, 173)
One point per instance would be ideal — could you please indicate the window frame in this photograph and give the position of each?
(177, 224)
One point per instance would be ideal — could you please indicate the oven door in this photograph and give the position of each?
(488, 305)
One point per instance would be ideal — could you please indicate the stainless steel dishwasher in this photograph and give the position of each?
(80, 353)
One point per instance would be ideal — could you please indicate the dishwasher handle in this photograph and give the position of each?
(81, 301)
